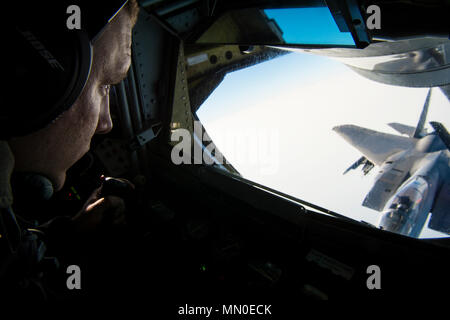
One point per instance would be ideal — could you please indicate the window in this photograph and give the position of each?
(274, 123)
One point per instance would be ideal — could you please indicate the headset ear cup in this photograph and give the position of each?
(83, 60)
(50, 73)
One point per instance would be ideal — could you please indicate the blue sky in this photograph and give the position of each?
(309, 26)
(274, 121)
(264, 81)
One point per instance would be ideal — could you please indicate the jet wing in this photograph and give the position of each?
(375, 146)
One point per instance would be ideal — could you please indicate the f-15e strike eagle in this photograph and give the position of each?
(414, 176)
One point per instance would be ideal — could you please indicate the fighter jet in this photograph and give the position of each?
(414, 176)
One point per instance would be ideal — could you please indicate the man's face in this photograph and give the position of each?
(53, 150)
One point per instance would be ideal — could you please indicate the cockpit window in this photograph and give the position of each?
(411, 195)
(274, 121)
(403, 209)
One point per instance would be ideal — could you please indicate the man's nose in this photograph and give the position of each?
(104, 124)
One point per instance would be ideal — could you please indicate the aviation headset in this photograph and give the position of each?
(52, 61)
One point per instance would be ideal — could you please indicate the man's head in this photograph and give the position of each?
(53, 150)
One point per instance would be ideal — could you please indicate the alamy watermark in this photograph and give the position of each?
(374, 280)
(74, 20)
(374, 20)
(74, 279)
(249, 147)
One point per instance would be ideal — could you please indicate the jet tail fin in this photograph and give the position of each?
(442, 132)
(419, 132)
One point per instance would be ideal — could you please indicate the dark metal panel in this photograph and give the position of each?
(149, 44)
